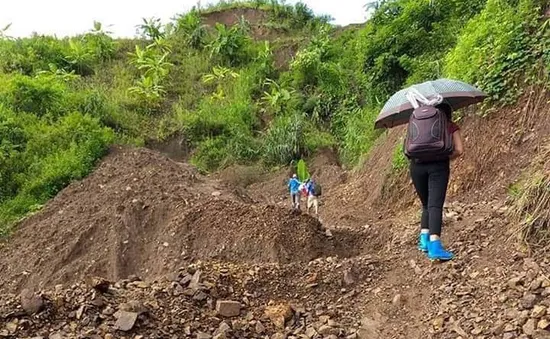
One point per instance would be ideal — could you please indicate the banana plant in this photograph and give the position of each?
(277, 97)
(219, 75)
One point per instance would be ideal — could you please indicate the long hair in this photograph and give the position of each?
(447, 109)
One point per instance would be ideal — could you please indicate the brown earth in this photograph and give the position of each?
(141, 213)
(363, 278)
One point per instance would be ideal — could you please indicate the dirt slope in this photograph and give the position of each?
(141, 213)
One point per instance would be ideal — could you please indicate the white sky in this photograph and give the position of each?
(70, 17)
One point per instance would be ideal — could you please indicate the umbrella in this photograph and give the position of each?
(457, 94)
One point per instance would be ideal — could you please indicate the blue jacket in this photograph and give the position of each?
(294, 185)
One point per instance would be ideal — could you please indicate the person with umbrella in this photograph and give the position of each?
(432, 141)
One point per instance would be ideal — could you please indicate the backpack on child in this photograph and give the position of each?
(428, 138)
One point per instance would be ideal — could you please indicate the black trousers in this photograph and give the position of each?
(430, 181)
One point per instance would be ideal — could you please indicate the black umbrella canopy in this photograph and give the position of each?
(457, 94)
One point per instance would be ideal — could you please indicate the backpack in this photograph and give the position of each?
(317, 190)
(428, 138)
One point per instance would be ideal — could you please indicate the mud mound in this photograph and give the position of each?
(235, 231)
(141, 213)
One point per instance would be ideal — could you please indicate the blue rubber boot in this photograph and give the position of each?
(437, 252)
(423, 242)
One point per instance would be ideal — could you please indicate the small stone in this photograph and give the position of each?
(515, 282)
(543, 324)
(108, 311)
(509, 328)
(108, 336)
(56, 336)
(100, 284)
(538, 311)
(349, 279)
(133, 306)
(31, 302)
(509, 335)
(202, 335)
(397, 300)
(11, 327)
(530, 327)
(260, 328)
(324, 319)
(224, 327)
(228, 308)
(502, 298)
(200, 296)
(80, 312)
(279, 314)
(125, 320)
(438, 323)
(477, 330)
(311, 332)
(142, 284)
(278, 336)
(528, 301)
(326, 330)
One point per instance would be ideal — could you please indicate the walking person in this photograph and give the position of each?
(294, 188)
(430, 179)
(432, 141)
(314, 192)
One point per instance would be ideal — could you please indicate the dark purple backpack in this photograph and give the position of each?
(428, 138)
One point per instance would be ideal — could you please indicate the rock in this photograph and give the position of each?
(200, 296)
(438, 323)
(195, 280)
(349, 279)
(31, 302)
(202, 335)
(125, 320)
(530, 327)
(100, 284)
(260, 328)
(311, 332)
(11, 327)
(528, 301)
(538, 311)
(223, 328)
(515, 282)
(108, 311)
(397, 300)
(508, 335)
(327, 330)
(133, 306)
(279, 314)
(278, 336)
(56, 336)
(543, 324)
(228, 308)
(509, 328)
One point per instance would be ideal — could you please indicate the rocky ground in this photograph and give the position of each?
(179, 255)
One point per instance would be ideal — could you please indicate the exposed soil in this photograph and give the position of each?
(198, 240)
(141, 213)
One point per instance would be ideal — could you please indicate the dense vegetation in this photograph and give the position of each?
(225, 89)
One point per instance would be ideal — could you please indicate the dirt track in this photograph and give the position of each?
(143, 216)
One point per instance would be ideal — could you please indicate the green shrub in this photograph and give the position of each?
(39, 95)
(210, 154)
(499, 48)
(285, 140)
